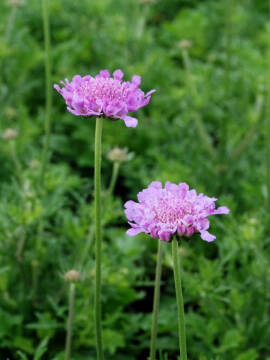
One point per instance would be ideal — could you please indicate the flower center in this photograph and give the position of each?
(102, 88)
(169, 211)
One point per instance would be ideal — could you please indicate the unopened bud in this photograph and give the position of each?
(147, 1)
(34, 164)
(185, 44)
(118, 155)
(72, 276)
(9, 134)
(10, 112)
(253, 221)
(15, 3)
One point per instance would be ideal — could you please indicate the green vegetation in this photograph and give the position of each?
(206, 125)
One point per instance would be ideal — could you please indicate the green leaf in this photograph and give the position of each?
(41, 349)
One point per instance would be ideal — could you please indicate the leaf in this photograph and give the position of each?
(41, 349)
(22, 355)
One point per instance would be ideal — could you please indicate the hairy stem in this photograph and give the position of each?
(70, 321)
(10, 24)
(18, 168)
(179, 299)
(98, 327)
(48, 76)
(202, 131)
(115, 172)
(246, 139)
(227, 73)
(156, 302)
(267, 138)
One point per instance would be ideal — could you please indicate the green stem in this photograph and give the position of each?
(227, 73)
(84, 254)
(10, 24)
(47, 122)
(202, 131)
(48, 109)
(115, 172)
(16, 161)
(35, 279)
(20, 247)
(179, 299)
(70, 321)
(267, 138)
(98, 136)
(156, 302)
(254, 119)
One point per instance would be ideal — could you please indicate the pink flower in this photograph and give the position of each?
(174, 209)
(104, 95)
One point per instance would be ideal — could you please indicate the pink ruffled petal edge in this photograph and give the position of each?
(206, 236)
(130, 121)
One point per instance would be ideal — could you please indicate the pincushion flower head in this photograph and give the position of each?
(162, 212)
(104, 95)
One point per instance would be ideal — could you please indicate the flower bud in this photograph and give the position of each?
(10, 134)
(118, 155)
(10, 112)
(72, 276)
(15, 3)
(34, 164)
(147, 1)
(185, 44)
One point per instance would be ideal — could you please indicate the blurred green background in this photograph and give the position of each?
(206, 125)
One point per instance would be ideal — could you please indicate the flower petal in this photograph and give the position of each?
(164, 235)
(104, 73)
(150, 92)
(222, 210)
(118, 75)
(130, 121)
(206, 236)
(136, 80)
(134, 231)
(156, 185)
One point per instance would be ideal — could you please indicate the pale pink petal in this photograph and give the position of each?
(222, 210)
(130, 121)
(206, 236)
(134, 231)
(104, 73)
(164, 235)
(136, 80)
(156, 185)
(118, 75)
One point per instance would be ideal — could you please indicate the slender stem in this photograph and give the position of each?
(10, 24)
(115, 172)
(227, 73)
(98, 137)
(204, 135)
(20, 247)
(70, 321)
(246, 139)
(47, 122)
(35, 278)
(202, 131)
(179, 299)
(156, 302)
(16, 161)
(48, 109)
(267, 138)
(88, 246)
